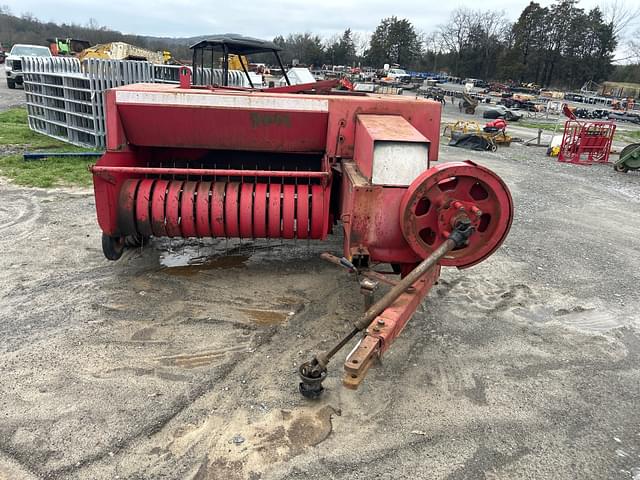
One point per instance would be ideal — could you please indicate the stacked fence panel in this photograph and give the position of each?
(66, 97)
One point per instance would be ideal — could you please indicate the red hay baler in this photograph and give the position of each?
(238, 163)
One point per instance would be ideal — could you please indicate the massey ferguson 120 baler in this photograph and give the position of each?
(236, 163)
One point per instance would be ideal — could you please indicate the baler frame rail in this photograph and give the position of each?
(105, 172)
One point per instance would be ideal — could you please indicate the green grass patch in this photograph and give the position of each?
(15, 115)
(635, 134)
(626, 136)
(47, 172)
(16, 138)
(537, 125)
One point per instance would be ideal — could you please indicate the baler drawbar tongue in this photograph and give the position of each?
(313, 372)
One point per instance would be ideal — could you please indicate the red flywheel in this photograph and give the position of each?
(442, 195)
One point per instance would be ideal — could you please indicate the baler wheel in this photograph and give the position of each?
(442, 196)
(112, 247)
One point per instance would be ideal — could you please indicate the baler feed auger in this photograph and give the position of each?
(221, 162)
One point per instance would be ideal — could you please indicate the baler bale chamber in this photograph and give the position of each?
(293, 163)
(212, 170)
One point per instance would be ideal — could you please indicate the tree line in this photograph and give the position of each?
(28, 29)
(560, 45)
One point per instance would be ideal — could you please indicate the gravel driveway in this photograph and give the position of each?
(9, 98)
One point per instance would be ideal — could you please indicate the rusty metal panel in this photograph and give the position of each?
(370, 218)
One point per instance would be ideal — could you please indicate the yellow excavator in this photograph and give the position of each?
(125, 51)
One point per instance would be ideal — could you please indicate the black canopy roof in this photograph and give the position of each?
(237, 44)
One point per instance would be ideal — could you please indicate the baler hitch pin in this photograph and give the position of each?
(313, 372)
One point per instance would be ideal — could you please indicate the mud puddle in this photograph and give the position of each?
(267, 317)
(190, 257)
(182, 257)
(183, 265)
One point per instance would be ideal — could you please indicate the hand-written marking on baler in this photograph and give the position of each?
(259, 119)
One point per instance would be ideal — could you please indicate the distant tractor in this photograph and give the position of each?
(468, 104)
(67, 46)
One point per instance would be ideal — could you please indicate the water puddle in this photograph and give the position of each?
(189, 259)
(266, 317)
(190, 256)
(185, 265)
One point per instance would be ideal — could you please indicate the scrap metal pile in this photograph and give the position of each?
(297, 162)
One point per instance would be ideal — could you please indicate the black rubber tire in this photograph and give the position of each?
(112, 247)
(11, 83)
(620, 168)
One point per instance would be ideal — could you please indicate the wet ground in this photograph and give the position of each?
(179, 361)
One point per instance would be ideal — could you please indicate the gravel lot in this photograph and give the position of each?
(526, 366)
(9, 98)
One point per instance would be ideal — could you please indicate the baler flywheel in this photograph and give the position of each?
(446, 192)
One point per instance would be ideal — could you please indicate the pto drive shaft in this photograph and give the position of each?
(313, 372)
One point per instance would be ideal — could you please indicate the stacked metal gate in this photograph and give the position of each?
(66, 97)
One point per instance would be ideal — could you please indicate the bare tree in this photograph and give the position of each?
(634, 47)
(455, 33)
(481, 30)
(620, 15)
(492, 24)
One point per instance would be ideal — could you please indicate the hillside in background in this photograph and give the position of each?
(28, 29)
(485, 44)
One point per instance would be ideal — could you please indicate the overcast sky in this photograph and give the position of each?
(261, 18)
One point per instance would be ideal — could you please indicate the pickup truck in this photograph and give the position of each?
(13, 62)
(397, 75)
